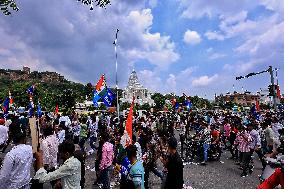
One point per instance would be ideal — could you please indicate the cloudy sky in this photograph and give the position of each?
(192, 46)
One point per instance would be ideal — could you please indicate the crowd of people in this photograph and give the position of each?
(165, 138)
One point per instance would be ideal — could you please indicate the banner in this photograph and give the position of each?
(34, 134)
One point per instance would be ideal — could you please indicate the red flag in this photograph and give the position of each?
(10, 97)
(11, 100)
(129, 121)
(278, 91)
(257, 107)
(56, 109)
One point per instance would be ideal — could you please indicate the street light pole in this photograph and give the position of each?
(116, 77)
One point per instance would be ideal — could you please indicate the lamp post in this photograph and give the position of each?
(116, 77)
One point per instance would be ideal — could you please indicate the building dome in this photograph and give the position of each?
(136, 90)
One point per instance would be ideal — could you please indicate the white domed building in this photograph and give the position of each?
(136, 90)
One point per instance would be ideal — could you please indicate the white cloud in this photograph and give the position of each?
(209, 50)
(150, 80)
(79, 40)
(191, 37)
(153, 3)
(202, 8)
(171, 83)
(265, 43)
(214, 35)
(158, 50)
(204, 80)
(217, 56)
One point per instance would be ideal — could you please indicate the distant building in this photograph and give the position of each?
(244, 99)
(26, 75)
(136, 90)
(26, 70)
(264, 96)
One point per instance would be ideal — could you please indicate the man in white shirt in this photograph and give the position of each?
(3, 133)
(15, 172)
(69, 172)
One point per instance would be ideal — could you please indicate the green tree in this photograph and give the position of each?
(159, 101)
(7, 5)
(88, 90)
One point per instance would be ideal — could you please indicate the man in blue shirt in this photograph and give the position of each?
(136, 173)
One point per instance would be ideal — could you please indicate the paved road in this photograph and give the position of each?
(215, 175)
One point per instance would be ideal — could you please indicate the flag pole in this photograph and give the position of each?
(116, 78)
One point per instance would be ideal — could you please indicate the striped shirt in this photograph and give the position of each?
(243, 141)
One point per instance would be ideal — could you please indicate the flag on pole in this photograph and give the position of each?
(278, 91)
(11, 98)
(100, 86)
(31, 107)
(257, 107)
(129, 121)
(31, 90)
(188, 104)
(177, 106)
(108, 97)
(6, 107)
(56, 109)
(39, 112)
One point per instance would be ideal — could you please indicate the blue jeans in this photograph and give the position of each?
(93, 140)
(205, 148)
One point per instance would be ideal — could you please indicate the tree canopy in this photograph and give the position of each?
(7, 6)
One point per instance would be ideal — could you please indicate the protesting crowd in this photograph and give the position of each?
(159, 143)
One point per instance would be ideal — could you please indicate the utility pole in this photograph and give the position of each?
(272, 80)
(273, 87)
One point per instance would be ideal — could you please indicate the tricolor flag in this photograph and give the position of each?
(100, 86)
(6, 106)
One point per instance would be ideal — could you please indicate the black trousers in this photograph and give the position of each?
(260, 155)
(245, 158)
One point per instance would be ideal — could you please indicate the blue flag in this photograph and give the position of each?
(96, 98)
(188, 104)
(177, 105)
(108, 97)
(39, 112)
(31, 109)
(31, 90)
(6, 106)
